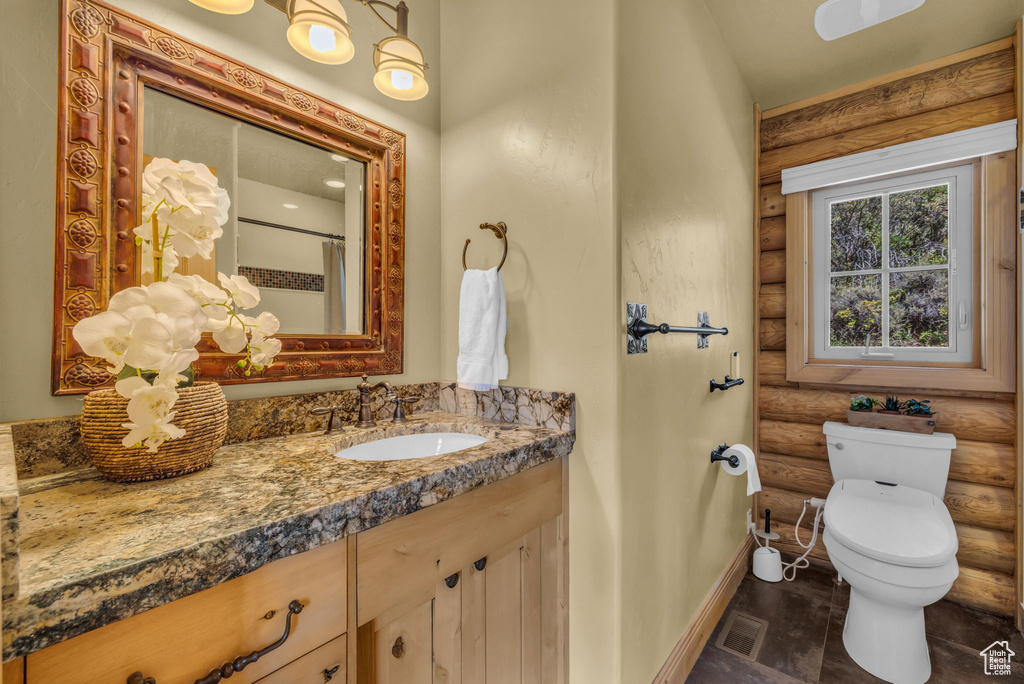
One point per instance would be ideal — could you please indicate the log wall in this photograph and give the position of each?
(974, 89)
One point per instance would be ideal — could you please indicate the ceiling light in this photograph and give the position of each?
(319, 30)
(286, 205)
(334, 182)
(225, 6)
(339, 158)
(400, 69)
(837, 18)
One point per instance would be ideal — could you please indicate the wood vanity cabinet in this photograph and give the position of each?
(467, 591)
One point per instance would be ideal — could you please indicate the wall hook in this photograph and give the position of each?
(729, 382)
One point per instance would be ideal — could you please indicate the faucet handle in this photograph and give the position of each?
(334, 420)
(400, 402)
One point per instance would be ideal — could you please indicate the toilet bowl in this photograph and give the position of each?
(894, 543)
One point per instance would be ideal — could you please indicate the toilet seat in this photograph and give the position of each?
(892, 524)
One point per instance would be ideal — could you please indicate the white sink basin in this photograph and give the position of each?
(411, 446)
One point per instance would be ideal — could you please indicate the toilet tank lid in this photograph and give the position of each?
(938, 440)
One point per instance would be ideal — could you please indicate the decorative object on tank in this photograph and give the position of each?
(148, 336)
(893, 414)
(918, 408)
(891, 405)
(862, 403)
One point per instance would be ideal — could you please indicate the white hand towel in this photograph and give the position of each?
(482, 325)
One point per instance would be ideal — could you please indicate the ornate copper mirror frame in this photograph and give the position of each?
(107, 56)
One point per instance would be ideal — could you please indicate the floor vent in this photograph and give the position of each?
(742, 635)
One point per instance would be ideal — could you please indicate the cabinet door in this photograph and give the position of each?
(403, 648)
(504, 623)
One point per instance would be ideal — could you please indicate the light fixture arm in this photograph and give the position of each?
(401, 25)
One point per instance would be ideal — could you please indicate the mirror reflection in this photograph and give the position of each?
(295, 227)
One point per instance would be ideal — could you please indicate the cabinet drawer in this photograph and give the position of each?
(326, 664)
(405, 558)
(183, 641)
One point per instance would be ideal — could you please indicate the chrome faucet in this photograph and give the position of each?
(366, 391)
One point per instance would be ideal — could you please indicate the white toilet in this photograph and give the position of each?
(890, 536)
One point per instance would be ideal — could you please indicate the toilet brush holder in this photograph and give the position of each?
(768, 564)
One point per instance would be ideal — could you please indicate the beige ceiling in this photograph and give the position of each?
(783, 60)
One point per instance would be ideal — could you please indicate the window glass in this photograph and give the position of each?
(856, 310)
(896, 258)
(857, 234)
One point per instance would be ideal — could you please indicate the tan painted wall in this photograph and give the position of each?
(685, 168)
(526, 138)
(549, 127)
(28, 121)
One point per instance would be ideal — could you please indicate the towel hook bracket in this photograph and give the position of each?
(500, 231)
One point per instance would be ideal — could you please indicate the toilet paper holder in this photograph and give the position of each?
(717, 454)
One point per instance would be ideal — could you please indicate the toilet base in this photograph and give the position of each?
(887, 640)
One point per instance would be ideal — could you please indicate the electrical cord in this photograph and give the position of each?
(789, 569)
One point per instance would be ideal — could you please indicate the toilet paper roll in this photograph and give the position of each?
(747, 464)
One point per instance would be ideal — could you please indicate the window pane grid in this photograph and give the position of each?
(887, 271)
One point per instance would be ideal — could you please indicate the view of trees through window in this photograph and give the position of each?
(890, 261)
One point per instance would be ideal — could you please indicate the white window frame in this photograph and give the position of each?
(960, 267)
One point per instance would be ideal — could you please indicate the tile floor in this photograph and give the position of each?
(804, 640)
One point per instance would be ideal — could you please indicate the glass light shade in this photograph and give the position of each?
(319, 30)
(225, 6)
(837, 18)
(400, 69)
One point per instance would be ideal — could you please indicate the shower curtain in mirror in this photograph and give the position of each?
(334, 287)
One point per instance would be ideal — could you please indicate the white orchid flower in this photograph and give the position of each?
(229, 334)
(185, 186)
(149, 412)
(150, 345)
(262, 350)
(194, 239)
(151, 434)
(106, 335)
(242, 292)
(210, 297)
(265, 325)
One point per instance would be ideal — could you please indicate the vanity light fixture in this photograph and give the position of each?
(837, 18)
(286, 205)
(225, 6)
(338, 158)
(319, 30)
(334, 182)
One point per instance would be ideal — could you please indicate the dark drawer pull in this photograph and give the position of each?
(240, 663)
(329, 674)
(398, 650)
(138, 678)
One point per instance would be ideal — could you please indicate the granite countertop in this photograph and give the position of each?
(92, 551)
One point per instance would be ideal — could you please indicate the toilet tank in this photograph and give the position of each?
(906, 458)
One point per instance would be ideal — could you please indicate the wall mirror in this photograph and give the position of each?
(317, 197)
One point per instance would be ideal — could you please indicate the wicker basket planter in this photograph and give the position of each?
(201, 411)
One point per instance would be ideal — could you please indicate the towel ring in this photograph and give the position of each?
(500, 231)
